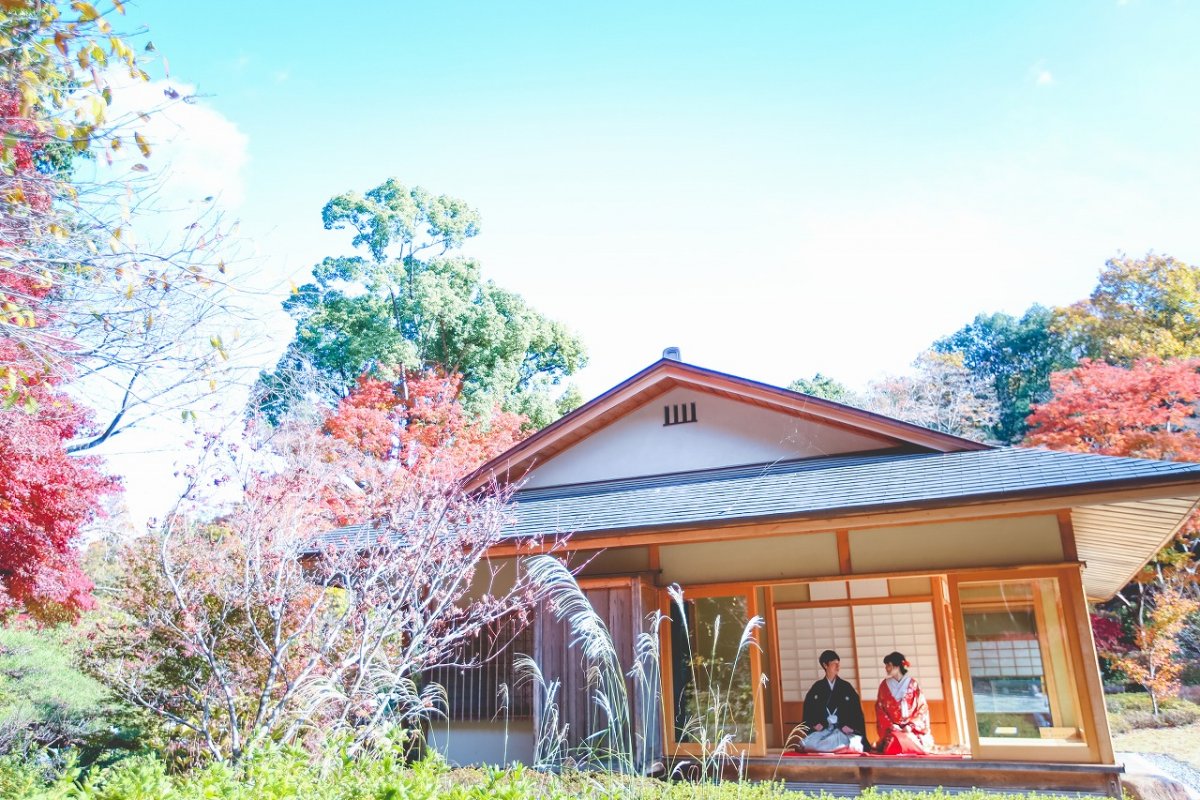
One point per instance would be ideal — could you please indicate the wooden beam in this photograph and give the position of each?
(843, 548)
(776, 679)
(1066, 531)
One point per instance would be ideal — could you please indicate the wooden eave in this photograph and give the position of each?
(666, 374)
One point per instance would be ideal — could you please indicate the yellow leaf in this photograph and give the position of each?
(295, 289)
(84, 60)
(87, 12)
(129, 292)
(142, 144)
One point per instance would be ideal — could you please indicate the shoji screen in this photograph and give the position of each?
(907, 627)
(803, 633)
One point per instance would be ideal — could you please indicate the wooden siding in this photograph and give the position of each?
(623, 604)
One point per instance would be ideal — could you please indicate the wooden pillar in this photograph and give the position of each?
(1077, 620)
(1066, 532)
(845, 567)
(952, 679)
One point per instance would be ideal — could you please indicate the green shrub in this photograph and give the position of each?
(47, 703)
(290, 774)
(1133, 710)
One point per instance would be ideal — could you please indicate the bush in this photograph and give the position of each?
(291, 774)
(1133, 710)
(47, 703)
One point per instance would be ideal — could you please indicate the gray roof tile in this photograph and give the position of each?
(824, 486)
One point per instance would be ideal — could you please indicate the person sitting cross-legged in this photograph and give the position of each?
(833, 713)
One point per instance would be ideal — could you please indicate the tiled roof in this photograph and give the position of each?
(829, 486)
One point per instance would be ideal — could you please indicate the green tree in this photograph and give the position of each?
(825, 387)
(1141, 308)
(412, 304)
(1016, 356)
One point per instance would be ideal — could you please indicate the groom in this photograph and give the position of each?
(833, 712)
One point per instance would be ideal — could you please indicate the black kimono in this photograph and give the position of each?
(820, 702)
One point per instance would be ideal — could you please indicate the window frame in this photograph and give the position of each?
(1069, 588)
(758, 747)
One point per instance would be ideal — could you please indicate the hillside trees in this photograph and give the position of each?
(46, 499)
(411, 303)
(1017, 355)
(1140, 308)
(1154, 661)
(83, 299)
(942, 394)
(824, 387)
(1147, 410)
(420, 425)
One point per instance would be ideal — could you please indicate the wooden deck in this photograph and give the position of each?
(842, 776)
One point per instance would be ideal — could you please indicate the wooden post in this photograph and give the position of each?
(1083, 646)
(845, 567)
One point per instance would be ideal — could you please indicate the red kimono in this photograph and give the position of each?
(910, 713)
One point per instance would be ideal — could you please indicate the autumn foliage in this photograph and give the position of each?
(1143, 411)
(420, 425)
(1154, 660)
(47, 497)
(269, 623)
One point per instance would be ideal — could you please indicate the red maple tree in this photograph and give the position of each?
(46, 498)
(420, 424)
(1145, 411)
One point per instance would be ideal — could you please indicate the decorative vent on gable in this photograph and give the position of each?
(679, 413)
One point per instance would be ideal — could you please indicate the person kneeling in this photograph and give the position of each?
(833, 713)
(901, 713)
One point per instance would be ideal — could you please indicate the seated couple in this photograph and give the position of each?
(834, 718)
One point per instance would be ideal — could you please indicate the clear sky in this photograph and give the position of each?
(776, 188)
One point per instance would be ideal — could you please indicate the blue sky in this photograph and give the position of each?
(777, 188)
(748, 183)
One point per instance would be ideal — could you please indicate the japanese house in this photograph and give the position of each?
(842, 529)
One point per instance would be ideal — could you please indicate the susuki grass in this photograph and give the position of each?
(613, 741)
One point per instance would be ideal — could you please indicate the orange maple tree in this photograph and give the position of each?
(1145, 411)
(420, 423)
(1154, 660)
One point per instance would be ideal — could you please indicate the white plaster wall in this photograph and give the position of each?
(728, 432)
(468, 743)
(806, 555)
(981, 543)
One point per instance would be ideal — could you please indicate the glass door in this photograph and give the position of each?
(1021, 676)
(715, 674)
